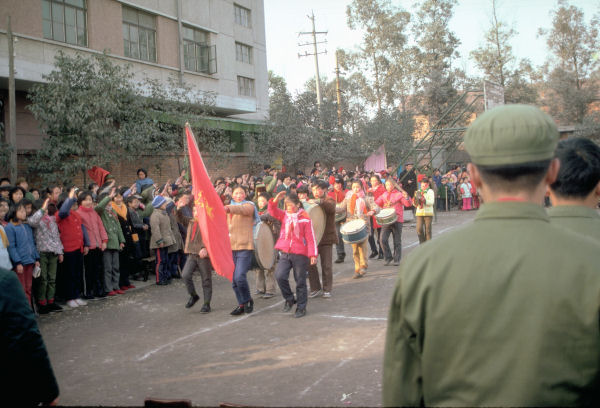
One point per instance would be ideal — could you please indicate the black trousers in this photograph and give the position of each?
(299, 263)
(395, 230)
(94, 272)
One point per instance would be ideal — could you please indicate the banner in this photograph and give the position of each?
(210, 212)
(377, 161)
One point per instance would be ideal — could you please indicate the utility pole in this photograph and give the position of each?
(12, 114)
(338, 90)
(316, 53)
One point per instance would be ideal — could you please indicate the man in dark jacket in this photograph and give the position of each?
(29, 378)
(325, 245)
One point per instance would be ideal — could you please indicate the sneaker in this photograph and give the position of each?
(120, 292)
(326, 295)
(192, 301)
(300, 313)
(81, 302)
(237, 311)
(205, 308)
(339, 260)
(315, 293)
(53, 307)
(380, 256)
(111, 293)
(259, 292)
(130, 286)
(268, 295)
(357, 275)
(373, 255)
(388, 262)
(72, 303)
(124, 288)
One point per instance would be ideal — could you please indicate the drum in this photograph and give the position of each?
(317, 216)
(355, 231)
(386, 216)
(340, 216)
(264, 247)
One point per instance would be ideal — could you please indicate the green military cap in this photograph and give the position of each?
(511, 134)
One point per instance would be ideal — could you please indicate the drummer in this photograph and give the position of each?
(265, 278)
(396, 198)
(298, 249)
(358, 206)
(376, 190)
(325, 247)
(339, 194)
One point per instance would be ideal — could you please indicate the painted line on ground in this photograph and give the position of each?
(354, 317)
(340, 364)
(229, 322)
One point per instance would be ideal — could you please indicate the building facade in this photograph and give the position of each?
(216, 46)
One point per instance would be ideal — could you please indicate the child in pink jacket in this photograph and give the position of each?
(298, 247)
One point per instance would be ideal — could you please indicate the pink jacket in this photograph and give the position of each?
(394, 199)
(93, 224)
(294, 238)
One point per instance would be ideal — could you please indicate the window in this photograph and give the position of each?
(139, 34)
(245, 86)
(243, 53)
(198, 55)
(242, 16)
(64, 20)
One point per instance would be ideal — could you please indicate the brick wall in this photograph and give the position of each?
(170, 167)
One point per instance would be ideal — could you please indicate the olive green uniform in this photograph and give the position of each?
(579, 219)
(506, 320)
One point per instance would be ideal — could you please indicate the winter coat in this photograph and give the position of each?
(301, 243)
(21, 246)
(94, 226)
(111, 224)
(47, 235)
(240, 221)
(160, 225)
(396, 200)
(72, 232)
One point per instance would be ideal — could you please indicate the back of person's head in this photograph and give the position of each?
(579, 172)
(512, 146)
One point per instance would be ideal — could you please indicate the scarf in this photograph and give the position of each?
(121, 210)
(291, 224)
(353, 201)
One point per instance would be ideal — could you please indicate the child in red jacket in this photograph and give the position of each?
(298, 247)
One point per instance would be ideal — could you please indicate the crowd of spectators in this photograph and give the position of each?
(70, 245)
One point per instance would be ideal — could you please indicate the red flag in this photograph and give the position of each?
(210, 212)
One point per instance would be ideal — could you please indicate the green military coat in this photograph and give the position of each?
(502, 312)
(579, 219)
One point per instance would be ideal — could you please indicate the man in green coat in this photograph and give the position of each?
(576, 190)
(503, 311)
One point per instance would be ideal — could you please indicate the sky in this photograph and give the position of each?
(286, 18)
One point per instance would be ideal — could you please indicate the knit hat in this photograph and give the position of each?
(158, 201)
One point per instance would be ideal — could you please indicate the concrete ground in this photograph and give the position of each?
(119, 351)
